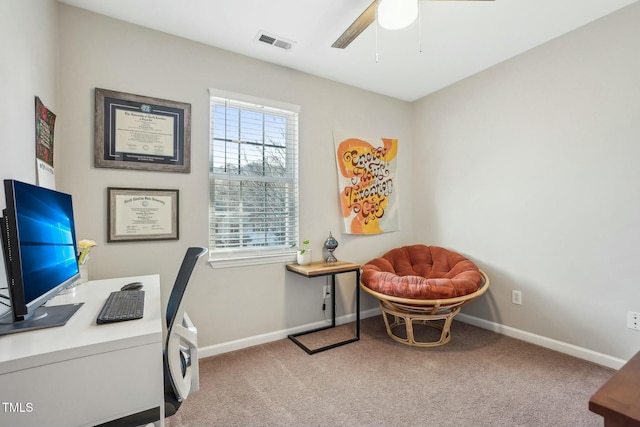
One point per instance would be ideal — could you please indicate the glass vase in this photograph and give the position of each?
(84, 278)
(84, 274)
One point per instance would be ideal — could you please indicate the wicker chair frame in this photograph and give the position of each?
(437, 314)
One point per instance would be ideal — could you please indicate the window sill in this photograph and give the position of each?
(253, 259)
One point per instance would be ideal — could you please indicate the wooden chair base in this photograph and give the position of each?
(437, 314)
(395, 317)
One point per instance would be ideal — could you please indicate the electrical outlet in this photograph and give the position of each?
(633, 320)
(516, 297)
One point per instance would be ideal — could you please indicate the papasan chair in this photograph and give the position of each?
(420, 284)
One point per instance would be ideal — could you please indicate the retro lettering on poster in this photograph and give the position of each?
(367, 183)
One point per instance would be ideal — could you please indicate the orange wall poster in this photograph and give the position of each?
(367, 182)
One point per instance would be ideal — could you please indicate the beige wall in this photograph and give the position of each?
(28, 68)
(531, 168)
(233, 303)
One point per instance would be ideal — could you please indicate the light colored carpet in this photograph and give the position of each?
(480, 378)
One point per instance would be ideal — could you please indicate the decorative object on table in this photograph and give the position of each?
(84, 247)
(139, 214)
(140, 132)
(367, 183)
(330, 245)
(304, 254)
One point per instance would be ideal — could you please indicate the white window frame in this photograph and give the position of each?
(243, 257)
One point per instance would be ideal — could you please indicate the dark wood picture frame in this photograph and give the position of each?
(141, 133)
(142, 214)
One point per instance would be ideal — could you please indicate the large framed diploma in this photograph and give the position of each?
(139, 132)
(142, 214)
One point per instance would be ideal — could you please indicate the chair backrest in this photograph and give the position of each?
(182, 339)
(182, 280)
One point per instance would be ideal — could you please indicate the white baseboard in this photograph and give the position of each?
(562, 347)
(226, 347)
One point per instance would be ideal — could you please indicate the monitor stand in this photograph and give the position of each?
(44, 317)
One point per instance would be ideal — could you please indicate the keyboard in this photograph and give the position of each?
(121, 306)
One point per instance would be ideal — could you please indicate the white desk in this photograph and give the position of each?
(83, 374)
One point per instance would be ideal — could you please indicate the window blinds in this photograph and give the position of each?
(253, 179)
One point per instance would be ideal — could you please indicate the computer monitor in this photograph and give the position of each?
(39, 245)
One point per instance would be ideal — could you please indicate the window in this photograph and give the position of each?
(253, 180)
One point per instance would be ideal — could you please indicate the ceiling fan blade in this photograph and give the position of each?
(359, 25)
(365, 19)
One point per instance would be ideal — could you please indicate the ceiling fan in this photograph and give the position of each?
(407, 8)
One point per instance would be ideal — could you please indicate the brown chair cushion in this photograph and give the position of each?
(422, 272)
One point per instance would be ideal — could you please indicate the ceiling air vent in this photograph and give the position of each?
(272, 40)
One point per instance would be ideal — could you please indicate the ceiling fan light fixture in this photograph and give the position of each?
(397, 14)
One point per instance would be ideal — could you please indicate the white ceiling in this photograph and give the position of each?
(458, 38)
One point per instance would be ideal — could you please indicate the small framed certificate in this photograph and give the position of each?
(142, 214)
(140, 132)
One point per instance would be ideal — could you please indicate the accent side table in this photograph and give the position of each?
(319, 269)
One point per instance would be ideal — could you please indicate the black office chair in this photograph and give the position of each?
(180, 361)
